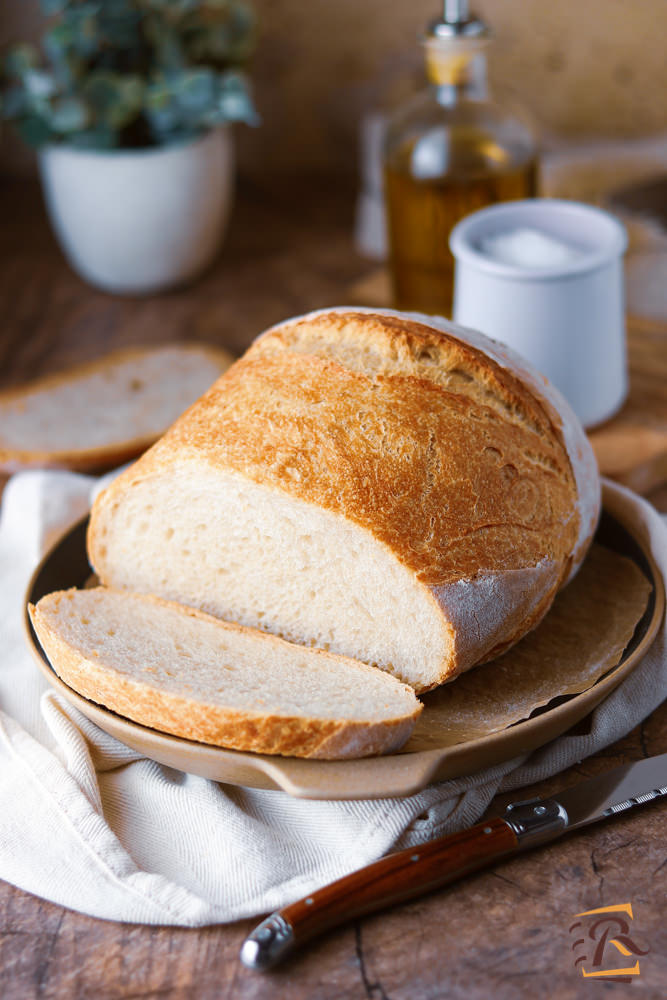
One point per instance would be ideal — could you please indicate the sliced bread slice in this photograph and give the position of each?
(184, 672)
(104, 412)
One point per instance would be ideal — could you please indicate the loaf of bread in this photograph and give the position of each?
(183, 672)
(386, 486)
(104, 412)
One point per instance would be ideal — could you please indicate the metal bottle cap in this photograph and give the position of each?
(457, 22)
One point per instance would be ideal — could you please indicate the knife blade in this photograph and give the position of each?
(406, 874)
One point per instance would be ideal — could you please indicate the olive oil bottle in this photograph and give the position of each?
(448, 152)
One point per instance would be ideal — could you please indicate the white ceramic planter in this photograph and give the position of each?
(136, 221)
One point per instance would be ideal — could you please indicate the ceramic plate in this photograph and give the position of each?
(621, 529)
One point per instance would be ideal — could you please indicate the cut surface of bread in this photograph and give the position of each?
(106, 411)
(372, 483)
(180, 671)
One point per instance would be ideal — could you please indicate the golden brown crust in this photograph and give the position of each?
(388, 344)
(457, 477)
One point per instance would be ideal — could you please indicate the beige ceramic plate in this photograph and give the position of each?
(621, 529)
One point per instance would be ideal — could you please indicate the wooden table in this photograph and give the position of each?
(502, 933)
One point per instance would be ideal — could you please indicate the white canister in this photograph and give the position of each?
(567, 319)
(135, 221)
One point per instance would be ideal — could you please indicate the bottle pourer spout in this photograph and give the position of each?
(457, 22)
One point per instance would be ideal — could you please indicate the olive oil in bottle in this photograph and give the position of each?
(448, 152)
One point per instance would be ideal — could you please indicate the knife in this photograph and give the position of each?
(412, 872)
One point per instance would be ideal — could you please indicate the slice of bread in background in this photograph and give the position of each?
(183, 672)
(105, 412)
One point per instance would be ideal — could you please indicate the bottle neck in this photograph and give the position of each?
(455, 74)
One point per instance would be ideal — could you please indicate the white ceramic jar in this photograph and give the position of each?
(567, 319)
(137, 221)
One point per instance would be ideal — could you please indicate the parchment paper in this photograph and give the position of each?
(582, 637)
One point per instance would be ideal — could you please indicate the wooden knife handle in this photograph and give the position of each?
(394, 879)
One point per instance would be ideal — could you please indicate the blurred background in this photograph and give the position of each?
(582, 71)
(223, 231)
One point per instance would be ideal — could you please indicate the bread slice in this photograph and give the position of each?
(390, 487)
(183, 672)
(107, 411)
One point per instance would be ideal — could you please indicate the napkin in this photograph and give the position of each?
(92, 825)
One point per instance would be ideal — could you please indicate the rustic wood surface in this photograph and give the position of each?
(502, 932)
(632, 446)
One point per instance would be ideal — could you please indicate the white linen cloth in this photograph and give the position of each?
(91, 825)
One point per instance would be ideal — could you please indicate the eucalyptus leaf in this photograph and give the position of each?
(58, 42)
(234, 101)
(158, 94)
(165, 119)
(39, 83)
(196, 89)
(237, 108)
(69, 114)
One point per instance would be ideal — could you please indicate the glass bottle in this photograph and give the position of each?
(448, 152)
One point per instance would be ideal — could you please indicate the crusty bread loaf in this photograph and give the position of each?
(387, 486)
(183, 672)
(104, 412)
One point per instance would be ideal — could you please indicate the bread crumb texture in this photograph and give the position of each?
(183, 672)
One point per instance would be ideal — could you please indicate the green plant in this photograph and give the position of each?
(130, 73)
